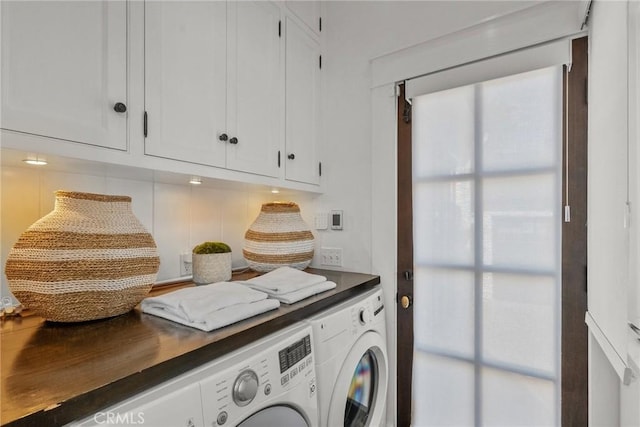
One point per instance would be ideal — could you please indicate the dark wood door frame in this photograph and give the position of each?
(575, 412)
(405, 263)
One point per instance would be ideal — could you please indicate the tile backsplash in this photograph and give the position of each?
(178, 216)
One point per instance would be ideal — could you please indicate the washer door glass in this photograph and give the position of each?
(362, 391)
(275, 416)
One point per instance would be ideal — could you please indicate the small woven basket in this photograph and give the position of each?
(278, 237)
(90, 258)
(211, 268)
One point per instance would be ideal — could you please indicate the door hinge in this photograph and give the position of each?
(320, 24)
(320, 61)
(320, 168)
(406, 112)
(278, 158)
(144, 124)
(279, 28)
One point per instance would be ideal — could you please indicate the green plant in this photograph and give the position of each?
(211, 248)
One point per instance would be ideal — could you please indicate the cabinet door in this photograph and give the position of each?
(308, 11)
(64, 67)
(255, 87)
(302, 105)
(185, 80)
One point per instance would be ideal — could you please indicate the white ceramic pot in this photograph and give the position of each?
(211, 268)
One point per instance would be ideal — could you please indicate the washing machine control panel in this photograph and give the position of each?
(368, 311)
(261, 378)
(294, 353)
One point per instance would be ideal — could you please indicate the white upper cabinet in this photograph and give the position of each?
(213, 85)
(308, 12)
(64, 70)
(303, 62)
(255, 87)
(185, 80)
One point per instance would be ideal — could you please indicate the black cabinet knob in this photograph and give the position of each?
(291, 156)
(223, 137)
(120, 107)
(233, 140)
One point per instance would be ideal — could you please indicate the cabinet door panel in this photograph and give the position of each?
(308, 11)
(255, 87)
(302, 105)
(185, 80)
(64, 66)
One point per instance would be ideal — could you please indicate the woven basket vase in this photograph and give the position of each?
(278, 237)
(90, 258)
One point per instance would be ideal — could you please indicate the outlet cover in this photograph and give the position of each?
(186, 266)
(331, 257)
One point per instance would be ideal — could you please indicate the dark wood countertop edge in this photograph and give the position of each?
(101, 398)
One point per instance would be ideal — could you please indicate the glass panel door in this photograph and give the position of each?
(487, 239)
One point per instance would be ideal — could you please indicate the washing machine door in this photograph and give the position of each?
(276, 416)
(361, 387)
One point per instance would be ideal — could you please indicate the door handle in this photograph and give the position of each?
(406, 301)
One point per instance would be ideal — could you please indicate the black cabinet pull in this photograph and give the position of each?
(223, 137)
(233, 140)
(120, 107)
(291, 156)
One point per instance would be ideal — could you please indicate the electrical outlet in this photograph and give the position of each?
(331, 256)
(186, 265)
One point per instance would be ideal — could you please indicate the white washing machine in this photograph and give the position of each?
(269, 383)
(351, 361)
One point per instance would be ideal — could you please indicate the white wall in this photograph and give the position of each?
(178, 216)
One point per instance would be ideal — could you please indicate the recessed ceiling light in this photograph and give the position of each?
(195, 180)
(275, 191)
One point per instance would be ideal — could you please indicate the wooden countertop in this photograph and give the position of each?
(55, 373)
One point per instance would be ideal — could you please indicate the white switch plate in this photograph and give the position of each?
(331, 256)
(322, 222)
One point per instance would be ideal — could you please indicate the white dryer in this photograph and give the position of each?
(269, 383)
(351, 361)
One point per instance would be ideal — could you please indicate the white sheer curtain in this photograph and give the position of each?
(487, 235)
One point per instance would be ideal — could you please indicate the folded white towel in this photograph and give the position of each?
(301, 294)
(219, 318)
(284, 280)
(198, 305)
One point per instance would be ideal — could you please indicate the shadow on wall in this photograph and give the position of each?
(178, 216)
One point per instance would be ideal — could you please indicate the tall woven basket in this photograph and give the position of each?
(90, 258)
(278, 237)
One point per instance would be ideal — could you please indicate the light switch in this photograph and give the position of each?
(321, 220)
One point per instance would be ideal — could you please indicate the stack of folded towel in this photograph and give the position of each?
(211, 306)
(289, 285)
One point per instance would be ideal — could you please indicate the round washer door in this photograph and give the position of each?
(276, 416)
(361, 387)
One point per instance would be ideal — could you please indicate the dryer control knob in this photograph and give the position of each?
(245, 388)
(365, 316)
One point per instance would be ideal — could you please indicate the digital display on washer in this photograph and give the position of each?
(294, 353)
